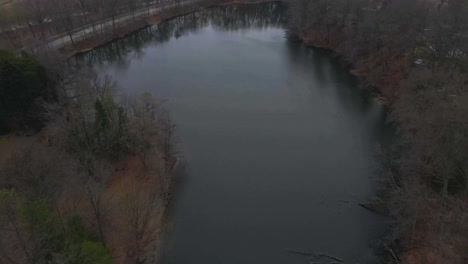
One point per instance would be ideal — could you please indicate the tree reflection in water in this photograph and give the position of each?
(227, 18)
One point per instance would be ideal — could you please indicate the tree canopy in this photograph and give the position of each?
(23, 85)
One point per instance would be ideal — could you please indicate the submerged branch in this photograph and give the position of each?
(315, 254)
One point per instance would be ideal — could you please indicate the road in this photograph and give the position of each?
(81, 33)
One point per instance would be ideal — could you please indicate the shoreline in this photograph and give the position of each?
(100, 40)
(87, 45)
(377, 94)
(407, 246)
(177, 170)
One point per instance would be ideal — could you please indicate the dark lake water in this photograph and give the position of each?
(279, 141)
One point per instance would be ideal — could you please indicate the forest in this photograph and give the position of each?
(90, 179)
(90, 182)
(413, 55)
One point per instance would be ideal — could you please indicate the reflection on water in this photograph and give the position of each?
(229, 18)
(280, 143)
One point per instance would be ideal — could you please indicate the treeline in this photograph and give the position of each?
(415, 53)
(29, 22)
(92, 185)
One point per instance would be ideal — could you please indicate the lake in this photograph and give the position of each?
(280, 142)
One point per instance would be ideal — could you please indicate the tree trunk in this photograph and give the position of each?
(97, 209)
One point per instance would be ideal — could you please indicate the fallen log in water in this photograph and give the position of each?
(314, 254)
(375, 207)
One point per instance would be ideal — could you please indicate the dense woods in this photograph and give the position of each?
(415, 54)
(92, 184)
(24, 84)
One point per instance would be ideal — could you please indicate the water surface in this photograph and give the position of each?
(279, 141)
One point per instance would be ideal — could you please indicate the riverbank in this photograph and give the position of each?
(234, 62)
(384, 85)
(132, 26)
(426, 223)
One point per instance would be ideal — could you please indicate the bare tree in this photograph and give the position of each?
(148, 4)
(14, 244)
(113, 10)
(6, 41)
(38, 15)
(169, 151)
(94, 188)
(38, 172)
(140, 207)
(132, 6)
(66, 12)
(144, 127)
